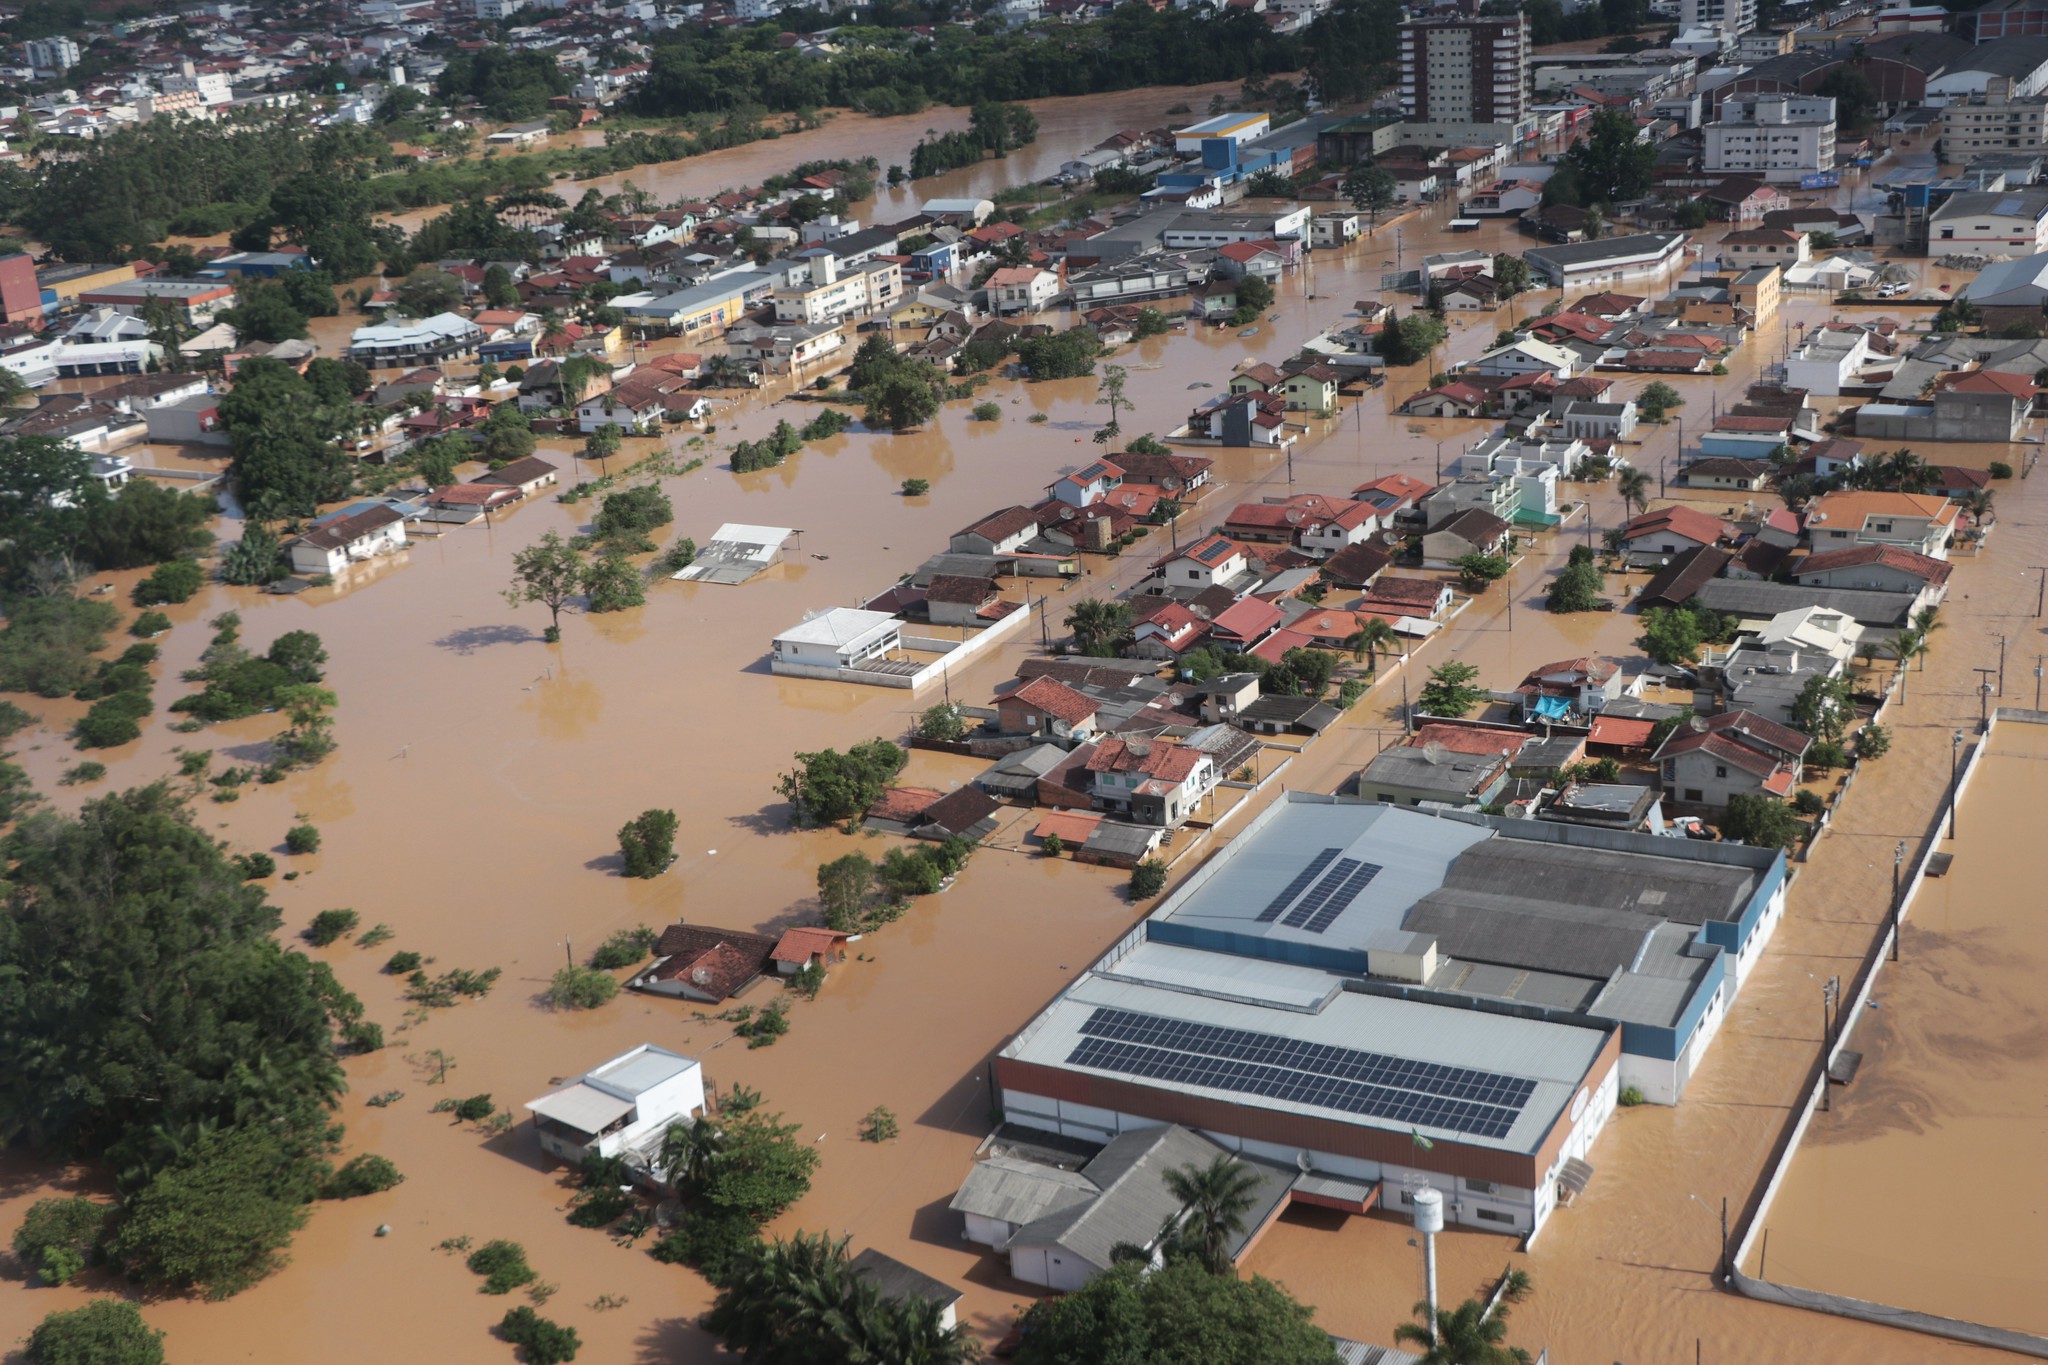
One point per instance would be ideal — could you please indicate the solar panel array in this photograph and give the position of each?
(1332, 895)
(1449, 1098)
(1298, 885)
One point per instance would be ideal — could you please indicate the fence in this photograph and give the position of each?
(1749, 1222)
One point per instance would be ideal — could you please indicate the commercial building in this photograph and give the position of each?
(1780, 138)
(1465, 70)
(1996, 121)
(426, 341)
(1574, 265)
(1346, 976)
(197, 301)
(1997, 221)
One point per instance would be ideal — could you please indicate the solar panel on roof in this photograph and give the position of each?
(1320, 896)
(1294, 888)
(1360, 878)
(1457, 1099)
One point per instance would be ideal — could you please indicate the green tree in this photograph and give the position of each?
(1511, 273)
(264, 311)
(1449, 691)
(216, 1222)
(427, 292)
(282, 433)
(1478, 569)
(1270, 184)
(499, 289)
(689, 1153)
(1311, 668)
(1671, 635)
(1611, 159)
(60, 1237)
(542, 1341)
(1255, 294)
(103, 1332)
(829, 785)
(1855, 98)
(145, 523)
(763, 1169)
(1465, 1335)
(1100, 626)
(549, 571)
(1110, 393)
(1373, 635)
(1214, 1200)
(1657, 399)
(1370, 190)
(1182, 1313)
(257, 558)
(1148, 879)
(1576, 589)
(799, 1300)
(902, 400)
(941, 721)
(1823, 708)
(1760, 820)
(1634, 487)
(612, 583)
(49, 483)
(648, 843)
(627, 519)
(843, 887)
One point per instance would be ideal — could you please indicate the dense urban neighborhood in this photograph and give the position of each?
(1064, 680)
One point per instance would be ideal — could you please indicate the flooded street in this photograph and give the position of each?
(1954, 1088)
(482, 776)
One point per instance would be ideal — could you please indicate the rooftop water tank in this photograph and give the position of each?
(1429, 1210)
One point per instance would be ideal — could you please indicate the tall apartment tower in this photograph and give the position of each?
(1466, 70)
(1730, 18)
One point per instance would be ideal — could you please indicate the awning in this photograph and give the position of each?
(1552, 708)
(582, 1107)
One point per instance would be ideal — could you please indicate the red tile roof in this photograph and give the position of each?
(1468, 739)
(1413, 592)
(1159, 759)
(1623, 732)
(1054, 698)
(801, 945)
(1685, 521)
(1921, 566)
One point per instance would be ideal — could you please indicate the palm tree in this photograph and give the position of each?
(1373, 635)
(688, 1152)
(1098, 625)
(1908, 645)
(1214, 1199)
(1926, 621)
(721, 372)
(1634, 487)
(1905, 471)
(1465, 1335)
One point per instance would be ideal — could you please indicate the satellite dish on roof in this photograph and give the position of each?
(1699, 725)
(1433, 751)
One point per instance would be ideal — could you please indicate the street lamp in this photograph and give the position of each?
(1955, 750)
(1898, 864)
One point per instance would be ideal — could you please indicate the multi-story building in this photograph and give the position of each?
(1731, 17)
(1995, 121)
(58, 54)
(1465, 70)
(1778, 137)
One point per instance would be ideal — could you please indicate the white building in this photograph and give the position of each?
(625, 1104)
(53, 55)
(332, 545)
(1730, 18)
(1779, 137)
(825, 642)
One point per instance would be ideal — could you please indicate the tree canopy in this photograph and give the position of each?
(1182, 1313)
(282, 429)
(151, 1019)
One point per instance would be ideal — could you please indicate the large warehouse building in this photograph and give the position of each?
(1378, 996)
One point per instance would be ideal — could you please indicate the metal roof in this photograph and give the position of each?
(1554, 1057)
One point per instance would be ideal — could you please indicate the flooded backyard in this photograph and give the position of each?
(482, 776)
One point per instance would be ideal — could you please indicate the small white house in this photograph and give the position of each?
(636, 1095)
(836, 638)
(334, 544)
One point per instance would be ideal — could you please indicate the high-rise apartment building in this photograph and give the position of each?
(1465, 70)
(1731, 18)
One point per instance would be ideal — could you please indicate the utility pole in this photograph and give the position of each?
(1983, 696)
(1898, 863)
(2001, 666)
(1955, 750)
(2039, 659)
(2041, 593)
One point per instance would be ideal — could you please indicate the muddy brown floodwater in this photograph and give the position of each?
(482, 776)
(1948, 1119)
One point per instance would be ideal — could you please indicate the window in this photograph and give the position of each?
(1693, 794)
(1482, 1186)
(1720, 770)
(1492, 1216)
